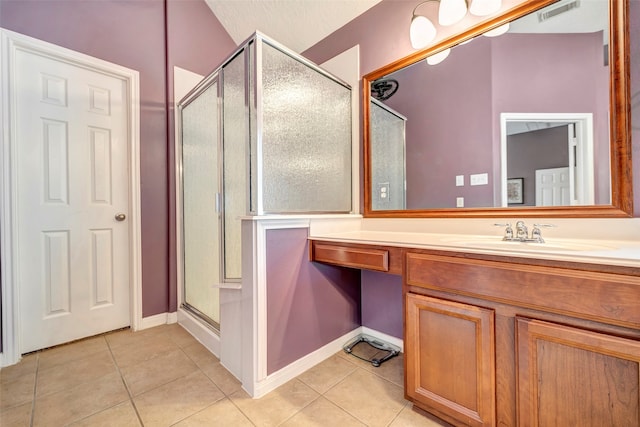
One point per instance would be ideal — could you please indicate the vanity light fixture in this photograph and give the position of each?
(484, 7)
(438, 57)
(422, 31)
(451, 11)
(498, 31)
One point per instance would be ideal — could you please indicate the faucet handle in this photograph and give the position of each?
(536, 234)
(508, 231)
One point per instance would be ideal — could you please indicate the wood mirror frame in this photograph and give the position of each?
(620, 125)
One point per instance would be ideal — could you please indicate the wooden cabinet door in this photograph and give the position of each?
(574, 377)
(450, 359)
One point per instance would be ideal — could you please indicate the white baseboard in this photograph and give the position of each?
(294, 369)
(172, 317)
(203, 334)
(152, 321)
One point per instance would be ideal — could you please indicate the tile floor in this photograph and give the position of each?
(163, 377)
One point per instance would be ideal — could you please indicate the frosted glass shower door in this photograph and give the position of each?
(200, 210)
(388, 170)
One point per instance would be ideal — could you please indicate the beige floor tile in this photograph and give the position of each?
(222, 378)
(147, 348)
(410, 417)
(199, 354)
(277, 406)
(325, 375)
(371, 399)
(79, 402)
(321, 413)
(69, 352)
(392, 369)
(122, 415)
(126, 337)
(83, 370)
(27, 365)
(177, 400)
(18, 416)
(160, 370)
(222, 413)
(17, 391)
(179, 335)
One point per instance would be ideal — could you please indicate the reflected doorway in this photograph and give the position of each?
(534, 143)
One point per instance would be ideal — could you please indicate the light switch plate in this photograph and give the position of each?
(479, 179)
(459, 180)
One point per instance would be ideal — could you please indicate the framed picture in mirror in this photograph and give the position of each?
(515, 190)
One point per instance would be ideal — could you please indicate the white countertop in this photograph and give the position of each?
(592, 246)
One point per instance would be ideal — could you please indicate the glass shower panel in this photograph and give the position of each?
(306, 137)
(388, 167)
(235, 165)
(253, 130)
(200, 219)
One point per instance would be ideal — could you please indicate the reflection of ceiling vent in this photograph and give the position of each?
(555, 11)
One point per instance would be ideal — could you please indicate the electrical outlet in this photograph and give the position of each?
(383, 190)
(459, 202)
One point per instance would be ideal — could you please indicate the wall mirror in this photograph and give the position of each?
(533, 122)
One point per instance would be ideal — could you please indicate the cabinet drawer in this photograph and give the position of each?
(603, 297)
(346, 256)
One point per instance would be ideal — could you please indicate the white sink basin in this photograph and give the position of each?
(493, 242)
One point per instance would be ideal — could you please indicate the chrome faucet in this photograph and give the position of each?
(522, 232)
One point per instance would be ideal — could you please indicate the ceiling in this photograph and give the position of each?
(297, 24)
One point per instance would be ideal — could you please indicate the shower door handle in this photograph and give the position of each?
(217, 202)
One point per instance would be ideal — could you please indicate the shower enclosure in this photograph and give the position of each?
(388, 165)
(266, 133)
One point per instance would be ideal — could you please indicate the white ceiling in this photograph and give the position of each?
(297, 24)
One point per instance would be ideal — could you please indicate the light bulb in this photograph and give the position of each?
(438, 57)
(484, 7)
(497, 31)
(451, 11)
(421, 32)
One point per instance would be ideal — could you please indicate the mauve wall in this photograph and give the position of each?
(197, 42)
(382, 302)
(308, 304)
(579, 83)
(132, 34)
(450, 136)
(541, 149)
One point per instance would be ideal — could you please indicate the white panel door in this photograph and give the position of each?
(553, 187)
(73, 192)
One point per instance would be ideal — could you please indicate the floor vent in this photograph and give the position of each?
(550, 13)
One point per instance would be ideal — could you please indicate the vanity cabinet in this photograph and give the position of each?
(449, 358)
(509, 341)
(573, 377)
(567, 340)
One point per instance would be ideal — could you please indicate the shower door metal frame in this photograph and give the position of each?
(205, 84)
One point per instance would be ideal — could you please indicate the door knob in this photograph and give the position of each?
(120, 217)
